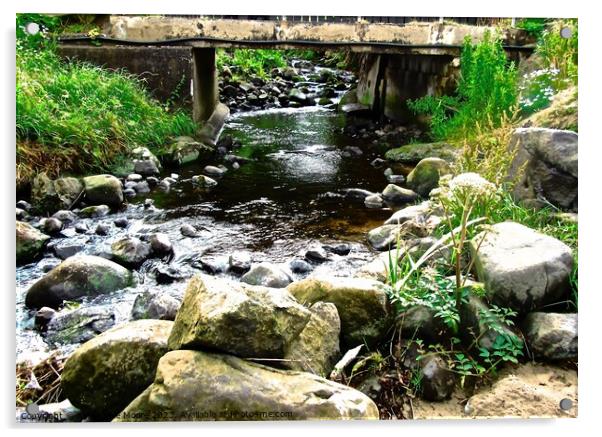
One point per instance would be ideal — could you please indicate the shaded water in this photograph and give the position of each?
(289, 196)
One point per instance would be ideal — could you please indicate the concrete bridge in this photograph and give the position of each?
(400, 59)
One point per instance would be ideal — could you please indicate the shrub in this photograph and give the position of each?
(250, 61)
(486, 92)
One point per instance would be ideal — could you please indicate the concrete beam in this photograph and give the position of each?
(204, 84)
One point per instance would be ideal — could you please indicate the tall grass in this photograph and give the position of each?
(80, 117)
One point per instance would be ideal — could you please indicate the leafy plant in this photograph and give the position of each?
(250, 61)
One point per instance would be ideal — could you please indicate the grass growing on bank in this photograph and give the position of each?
(76, 117)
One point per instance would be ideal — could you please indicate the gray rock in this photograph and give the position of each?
(160, 244)
(155, 305)
(418, 213)
(212, 170)
(420, 321)
(395, 194)
(129, 192)
(357, 194)
(103, 190)
(103, 229)
(168, 274)
(94, 211)
(146, 167)
(188, 231)
(349, 151)
(43, 316)
(29, 242)
(214, 264)
(267, 275)
(414, 153)
(134, 177)
(378, 163)
(20, 214)
(51, 225)
(47, 264)
(23, 204)
(69, 247)
(130, 251)
(50, 196)
(342, 249)
(317, 254)
(374, 201)
(437, 381)
(240, 262)
(545, 166)
(552, 336)
(300, 266)
(204, 181)
(426, 174)
(79, 325)
(396, 179)
(105, 374)
(196, 381)
(521, 268)
(121, 222)
(65, 216)
(233, 317)
(75, 278)
(142, 187)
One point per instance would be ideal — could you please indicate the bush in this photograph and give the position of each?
(79, 117)
(486, 93)
(250, 61)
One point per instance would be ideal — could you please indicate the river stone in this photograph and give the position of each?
(185, 150)
(545, 165)
(130, 251)
(300, 266)
(374, 201)
(155, 305)
(386, 237)
(103, 229)
(357, 194)
(212, 170)
(552, 336)
(94, 211)
(414, 212)
(142, 187)
(23, 204)
(396, 194)
(79, 325)
(146, 167)
(71, 246)
(240, 262)
(521, 268)
(245, 320)
(362, 305)
(316, 349)
(77, 277)
(425, 175)
(103, 190)
(29, 243)
(204, 181)
(105, 374)
(188, 231)
(229, 388)
(317, 254)
(414, 153)
(49, 196)
(65, 216)
(437, 382)
(267, 275)
(160, 244)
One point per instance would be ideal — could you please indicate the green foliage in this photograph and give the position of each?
(486, 92)
(249, 62)
(85, 113)
(533, 26)
(48, 26)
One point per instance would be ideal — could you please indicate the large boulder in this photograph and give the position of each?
(105, 374)
(552, 336)
(77, 277)
(267, 275)
(544, 167)
(49, 195)
(103, 189)
(30, 242)
(362, 304)
(194, 385)
(425, 175)
(316, 349)
(414, 153)
(521, 268)
(233, 317)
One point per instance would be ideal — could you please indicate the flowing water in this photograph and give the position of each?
(289, 196)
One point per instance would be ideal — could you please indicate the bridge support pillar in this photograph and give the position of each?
(204, 84)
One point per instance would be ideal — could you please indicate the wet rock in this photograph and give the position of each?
(552, 336)
(438, 382)
(129, 192)
(212, 170)
(188, 231)
(142, 187)
(103, 190)
(374, 201)
(362, 305)
(395, 179)
(316, 254)
(51, 225)
(414, 153)
(30, 242)
(425, 175)
(160, 244)
(545, 165)
(121, 222)
(148, 203)
(130, 185)
(316, 349)
(155, 305)
(49, 196)
(185, 150)
(214, 265)
(267, 275)
(146, 167)
(245, 320)
(357, 194)
(296, 95)
(94, 211)
(521, 268)
(79, 325)
(395, 194)
(350, 151)
(204, 181)
(130, 251)
(168, 274)
(194, 381)
(342, 249)
(418, 213)
(355, 109)
(134, 177)
(75, 278)
(421, 322)
(386, 237)
(378, 163)
(81, 228)
(47, 264)
(300, 266)
(105, 374)
(65, 216)
(20, 214)
(240, 262)
(103, 229)
(152, 181)
(43, 316)
(24, 205)
(69, 247)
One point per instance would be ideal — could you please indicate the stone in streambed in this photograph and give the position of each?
(29, 243)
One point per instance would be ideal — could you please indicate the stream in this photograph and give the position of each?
(289, 196)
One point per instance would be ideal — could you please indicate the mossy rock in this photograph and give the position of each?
(426, 174)
(103, 189)
(30, 242)
(414, 153)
